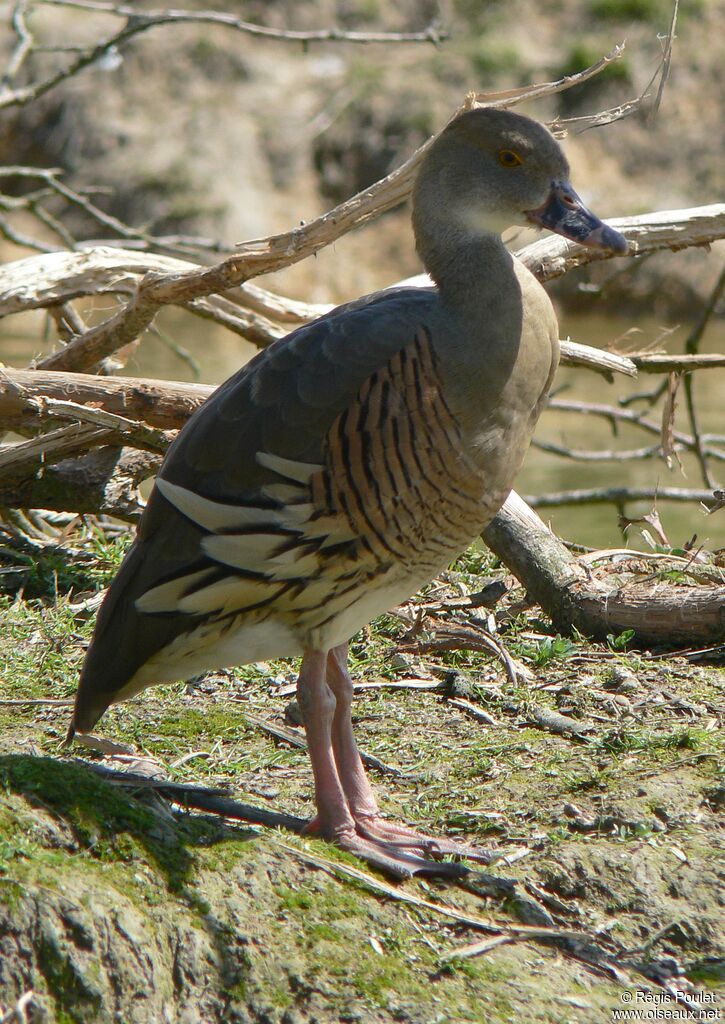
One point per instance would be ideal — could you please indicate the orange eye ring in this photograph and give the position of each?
(509, 158)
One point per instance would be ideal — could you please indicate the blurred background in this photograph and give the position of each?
(199, 130)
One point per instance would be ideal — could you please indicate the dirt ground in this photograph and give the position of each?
(592, 776)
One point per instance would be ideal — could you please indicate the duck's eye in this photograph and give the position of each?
(509, 158)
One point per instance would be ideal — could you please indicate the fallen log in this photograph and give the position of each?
(662, 614)
(101, 482)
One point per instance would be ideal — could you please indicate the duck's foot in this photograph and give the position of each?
(398, 850)
(395, 858)
(376, 829)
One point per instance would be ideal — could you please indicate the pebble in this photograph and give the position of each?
(292, 713)
(622, 680)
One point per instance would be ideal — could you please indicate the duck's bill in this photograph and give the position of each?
(564, 212)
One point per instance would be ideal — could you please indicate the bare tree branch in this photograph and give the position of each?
(599, 455)
(656, 363)
(666, 61)
(137, 22)
(178, 287)
(691, 347)
(101, 482)
(618, 496)
(55, 188)
(24, 44)
(162, 404)
(672, 229)
(150, 19)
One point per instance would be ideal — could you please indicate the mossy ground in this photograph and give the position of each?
(282, 940)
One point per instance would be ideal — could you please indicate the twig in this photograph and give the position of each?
(666, 60)
(555, 722)
(424, 685)
(17, 1014)
(32, 702)
(403, 895)
(477, 948)
(668, 418)
(24, 44)
(431, 34)
(617, 415)
(137, 22)
(472, 711)
(600, 455)
(617, 495)
(458, 638)
(607, 363)
(26, 241)
(656, 363)
(298, 740)
(200, 797)
(691, 347)
(133, 432)
(52, 446)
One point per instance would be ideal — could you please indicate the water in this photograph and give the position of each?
(217, 353)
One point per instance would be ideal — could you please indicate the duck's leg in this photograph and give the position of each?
(334, 819)
(317, 705)
(358, 791)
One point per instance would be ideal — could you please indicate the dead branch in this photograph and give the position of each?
(102, 482)
(565, 589)
(59, 277)
(615, 415)
(137, 22)
(692, 345)
(163, 404)
(657, 363)
(618, 496)
(677, 229)
(166, 404)
(264, 255)
(598, 455)
(599, 360)
(150, 19)
(54, 187)
(30, 456)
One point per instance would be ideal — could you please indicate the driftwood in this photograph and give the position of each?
(566, 590)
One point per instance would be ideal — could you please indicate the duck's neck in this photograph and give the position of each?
(471, 270)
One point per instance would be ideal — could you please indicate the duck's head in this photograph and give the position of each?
(492, 169)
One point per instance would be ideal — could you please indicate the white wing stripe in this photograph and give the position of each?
(300, 472)
(213, 515)
(228, 595)
(249, 551)
(167, 596)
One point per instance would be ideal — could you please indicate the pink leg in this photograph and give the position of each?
(354, 781)
(317, 704)
(334, 819)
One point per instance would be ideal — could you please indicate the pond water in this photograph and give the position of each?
(214, 353)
